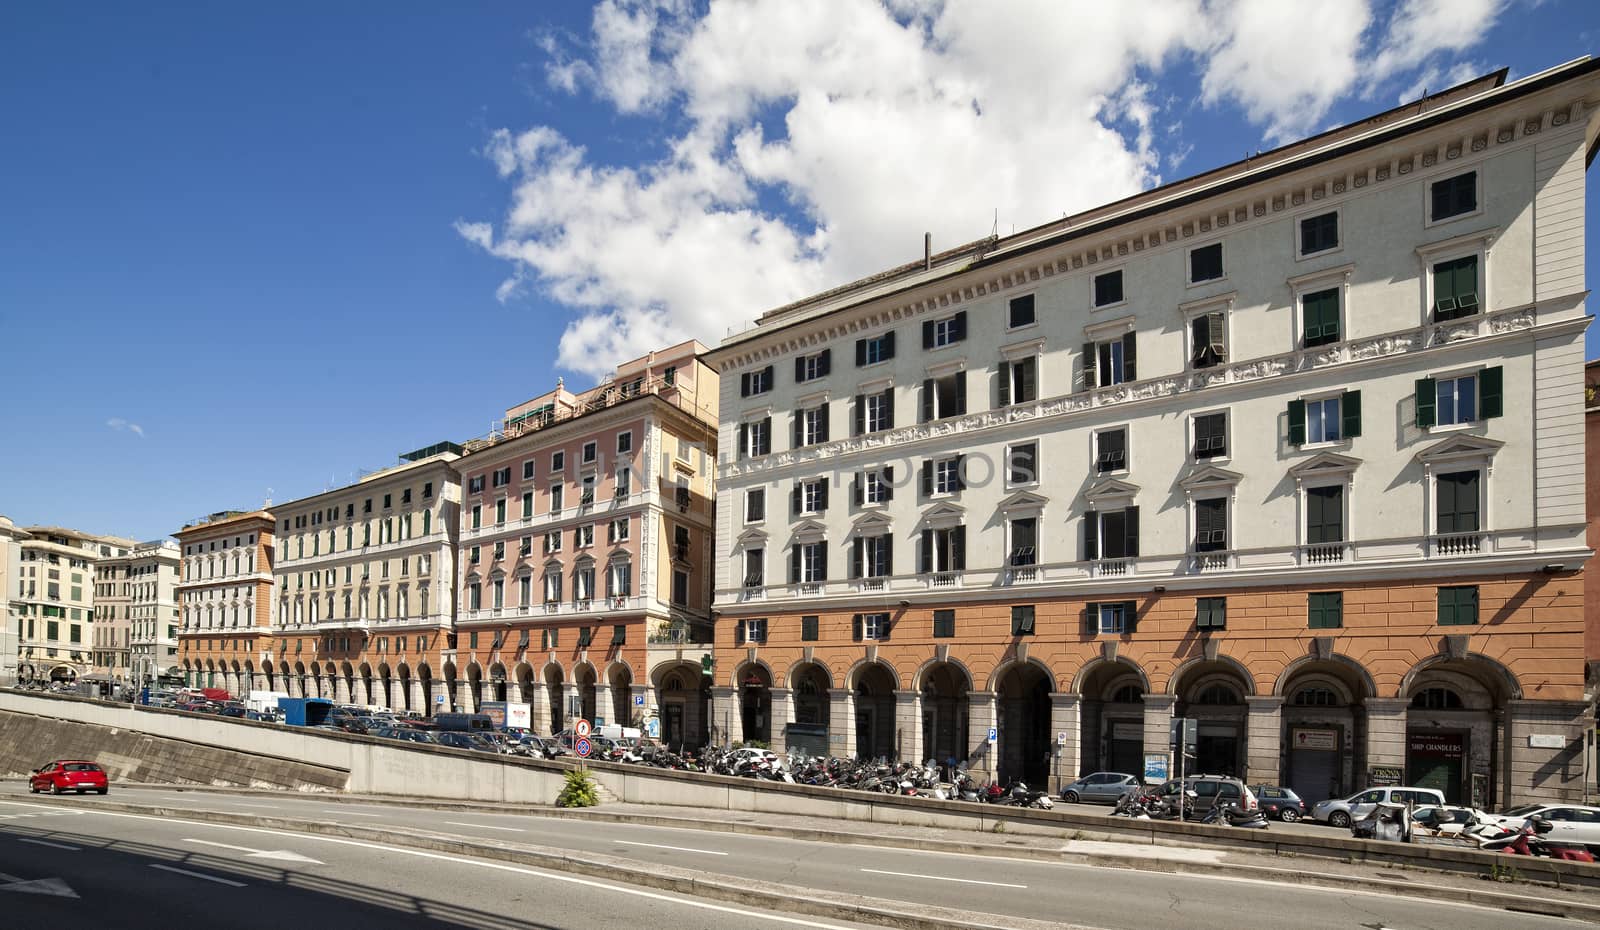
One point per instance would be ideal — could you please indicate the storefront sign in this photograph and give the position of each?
(1127, 731)
(1379, 776)
(1546, 741)
(1435, 744)
(1155, 767)
(1317, 740)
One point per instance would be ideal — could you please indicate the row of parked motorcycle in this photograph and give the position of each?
(1528, 837)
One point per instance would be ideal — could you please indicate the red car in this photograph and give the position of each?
(68, 775)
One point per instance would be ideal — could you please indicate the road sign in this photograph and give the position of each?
(638, 700)
(994, 734)
(582, 747)
(653, 727)
(581, 728)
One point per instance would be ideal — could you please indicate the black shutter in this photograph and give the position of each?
(822, 423)
(1130, 519)
(855, 556)
(961, 480)
(861, 352)
(1297, 422)
(888, 409)
(927, 477)
(860, 415)
(795, 499)
(799, 429)
(744, 384)
(1350, 411)
(825, 363)
(822, 495)
(1091, 618)
(1089, 377)
(1129, 357)
(927, 401)
(855, 627)
(959, 327)
(888, 483)
(958, 548)
(888, 555)
(1091, 536)
(1005, 384)
(822, 561)
(1130, 617)
(738, 632)
(855, 490)
(1427, 402)
(888, 346)
(1491, 391)
(925, 557)
(961, 392)
(794, 564)
(927, 334)
(744, 440)
(800, 369)
(1028, 389)
(884, 628)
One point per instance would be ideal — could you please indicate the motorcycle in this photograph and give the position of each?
(1530, 840)
(1230, 815)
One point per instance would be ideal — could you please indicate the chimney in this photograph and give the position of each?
(927, 251)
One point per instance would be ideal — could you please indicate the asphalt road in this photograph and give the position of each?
(1117, 899)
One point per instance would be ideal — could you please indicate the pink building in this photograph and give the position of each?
(586, 548)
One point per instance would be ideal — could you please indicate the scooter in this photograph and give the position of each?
(1230, 815)
(1530, 841)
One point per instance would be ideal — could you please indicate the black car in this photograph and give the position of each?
(1278, 801)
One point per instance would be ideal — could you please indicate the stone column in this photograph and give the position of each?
(341, 690)
(725, 726)
(841, 723)
(1264, 741)
(781, 715)
(1158, 729)
(605, 707)
(908, 726)
(648, 708)
(537, 694)
(1064, 720)
(414, 696)
(1386, 734)
(982, 713)
(464, 703)
(1544, 773)
(569, 696)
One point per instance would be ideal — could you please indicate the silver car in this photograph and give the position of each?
(1341, 812)
(1101, 787)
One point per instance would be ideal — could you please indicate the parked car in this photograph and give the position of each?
(265, 716)
(1278, 801)
(460, 739)
(1445, 821)
(233, 711)
(1101, 787)
(66, 775)
(1570, 823)
(405, 735)
(1341, 812)
(1211, 790)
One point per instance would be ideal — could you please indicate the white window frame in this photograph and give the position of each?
(1188, 265)
(552, 540)
(811, 366)
(874, 626)
(1193, 310)
(1095, 275)
(1479, 244)
(626, 434)
(1119, 608)
(944, 330)
(748, 492)
(585, 535)
(755, 629)
(558, 461)
(1321, 209)
(810, 565)
(951, 369)
(946, 476)
(1322, 399)
(871, 341)
(590, 453)
(946, 534)
(528, 470)
(1038, 537)
(811, 496)
(1211, 492)
(1342, 481)
(1476, 374)
(872, 488)
(1035, 296)
(752, 423)
(758, 554)
(1126, 430)
(866, 560)
(621, 529)
(1445, 173)
(619, 569)
(1315, 282)
(869, 423)
(1227, 435)
(811, 426)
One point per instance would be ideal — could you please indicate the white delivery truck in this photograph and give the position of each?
(259, 701)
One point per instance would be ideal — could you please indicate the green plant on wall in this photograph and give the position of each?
(579, 791)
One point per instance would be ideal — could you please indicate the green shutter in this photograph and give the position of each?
(1491, 389)
(1091, 618)
(1427, 402)
(1297, 422)
(1350, 410)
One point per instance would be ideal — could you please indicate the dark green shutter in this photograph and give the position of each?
(1130, 617)
(1028, 389)
(927, 334)
(927, 400)
(958, 548)
(961, 391)
(1091, 618)
(1089, 377)
(925, 555)
(855, 556)
(1005, 384)
(1297, 422)
(861, 352)
(927, 477)
(1491, 389)
(1091, 536)
(1129, 357)
(860, 415)
(855, 626)
(1130, 531)
(1427, 402)
(1350, 412)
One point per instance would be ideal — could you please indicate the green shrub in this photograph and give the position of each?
(579, 791)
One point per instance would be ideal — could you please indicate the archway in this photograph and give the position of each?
(622, 709)
(347, 684)
(385, 694)
(1023, 705)
(1212, 693)
(497, 682)
(755, 703)
(810, 686)
(1324, 727)
(1451, 739)
(451, 686)
(875, 708)
(583, 676)
(683, 697)
(425, 680)
(1111, 725)
(367, 694)
(248, 682)
(525, 687)
(946, 690)
(475, 686)
(555, 691)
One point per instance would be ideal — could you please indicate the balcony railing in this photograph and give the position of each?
(1323, 553)
(553, 608)
(1457, 544)
(679, 635)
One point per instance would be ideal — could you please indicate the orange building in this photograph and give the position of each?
(225, 598)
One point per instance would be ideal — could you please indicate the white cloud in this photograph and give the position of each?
(1422, 30)
(806, 144)
(120, 425)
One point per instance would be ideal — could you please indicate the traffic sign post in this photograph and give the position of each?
(582, 747)
(581, 728)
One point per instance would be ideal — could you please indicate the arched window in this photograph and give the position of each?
(808, 688)
(1215, 695)
(1128, 694)
(1436, 699)
(1316, 697)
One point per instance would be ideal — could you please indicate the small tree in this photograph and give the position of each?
(579, 791)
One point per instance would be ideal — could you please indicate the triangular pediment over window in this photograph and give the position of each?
(752, 538)
(1023, 501)
(1207, 476)
(1110, 489)
(872, 524)
(1461, 447)
(945, 514)
(810, 530)
(1324, 464)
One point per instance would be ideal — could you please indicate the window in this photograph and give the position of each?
(500, 511)
(586, 490)
(1455, 288)
(591, 452)
(809, 497)
(1205, 263)
(942, 477)
(1456, 502)
(936, 334)
(622, 485)
(752, 383)
(1022, 620)
(552, 584)
(812, 367)
(524, 549)
(1211, 613)
(874, 412)
(1325, 419)
(944, 396)
(1458, 606)
(1019, 382)
(474, 596)
(558, 461)
(1111, 450)
(1020, 311)
(755, 505)
(754, 568)
(1320, 312)
(1211, 435)
(474, 486)
(1451, 197)
(1113, 618)
(808, 628)
(624, 443)
(527, 504)
(1211, 524)
(556, 493)
(1024, 541)
(1112, 534)
(427, 491)
(1319, 233)
(871, 556)
(811, 426)
(527, 470)
(1022, 463)
(1461, 399)
(680, 587)
(1110, 362)
(872, 626)
(477, 516)
(753, 630)
(552, 541)
(809, 563)
(1108, 288)
(943, 550)
(755, 438)
(874, 350)
(944, 624)
(1208, 340)
(1325, 610)
(585, 637)
(619, 579)
(1324, 515)
(875, 486)
(499, 551)
(502, 477)
(618, 530)
(583, 536)
(583, 582)
(473, 555)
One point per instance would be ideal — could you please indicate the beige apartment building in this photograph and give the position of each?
(10, 605)
(112, 603)
(225, 598)
(153, 616)
(54, 600)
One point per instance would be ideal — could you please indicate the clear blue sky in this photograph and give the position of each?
(248, 230)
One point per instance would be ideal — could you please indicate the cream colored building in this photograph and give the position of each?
(55, 600)
(110, 654)
(153, 615)
(10, 603)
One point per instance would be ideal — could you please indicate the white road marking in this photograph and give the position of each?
(52, 845)
(709, 852)
(53, 887)
(270, 807)
(328, 810)
(941, 878)
(481, 826)
(202, 875)
(281, 855)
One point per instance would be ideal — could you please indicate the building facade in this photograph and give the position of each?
(365, 581)
(112, 627)
(225, 599)
(10, 600)
(54, 602)
(586, 551)
(1293, 448)
(153, 613)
